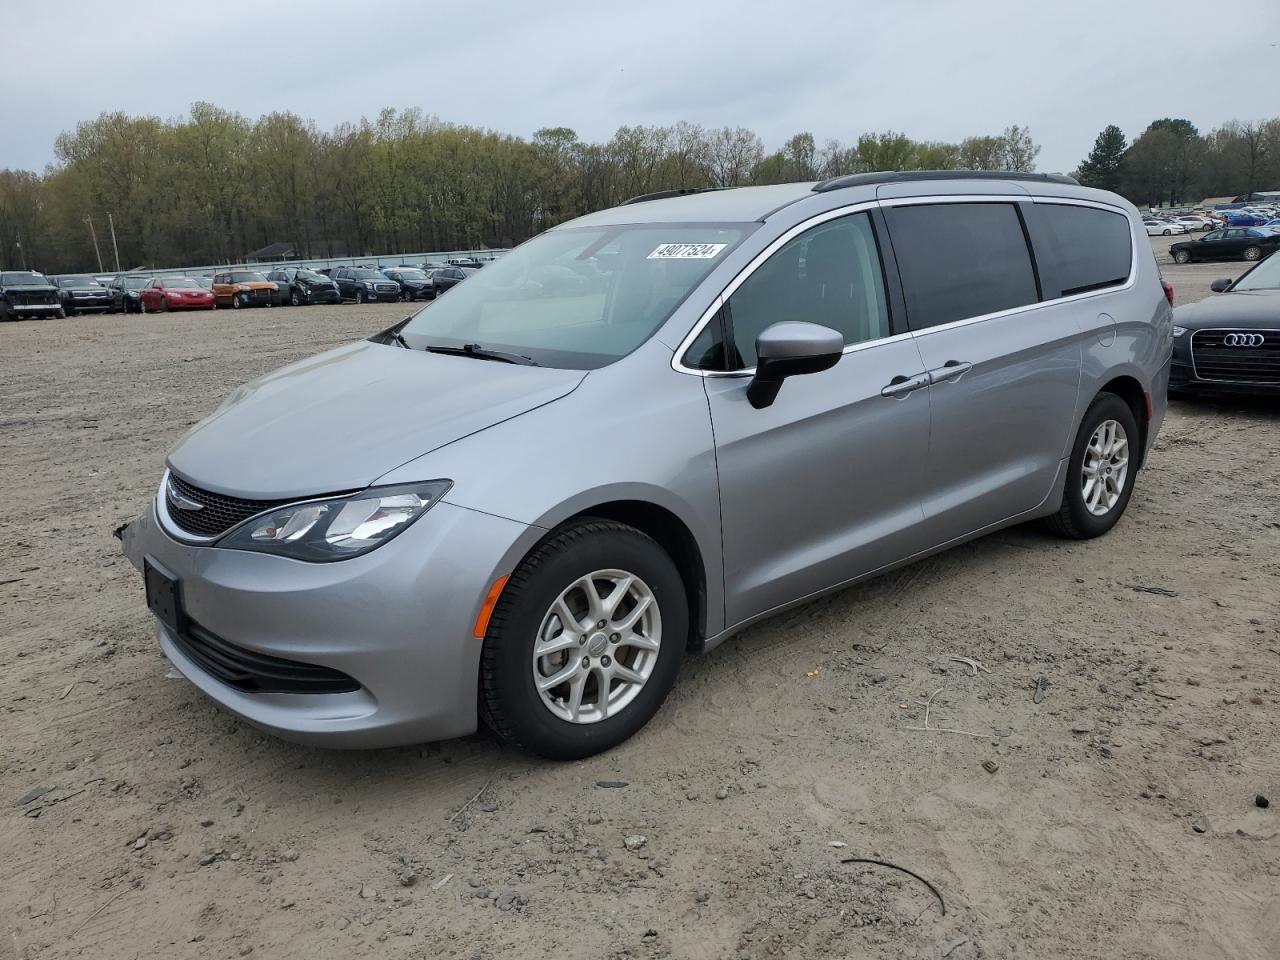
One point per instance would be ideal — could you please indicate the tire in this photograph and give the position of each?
(1182, 256)
(1167, 233)
(510, 702)
(237, 301)
(61, 314)
(295, 299)
(1074, 518)
(360, 297)
(142, 305)
(1253, 253)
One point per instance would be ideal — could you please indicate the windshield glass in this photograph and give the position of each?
(411, 274)
(22, 280)
(248, 278)
(368, 274)
(134, 283)
(310, 275)
(1265, 276)
(180, 282)
(77, 282)
(579, 297)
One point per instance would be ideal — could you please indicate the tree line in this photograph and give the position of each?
(1172, 163)
(213, 186)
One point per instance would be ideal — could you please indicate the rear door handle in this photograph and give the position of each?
(900, 386)
(951, 370)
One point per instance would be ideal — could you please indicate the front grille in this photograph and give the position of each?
(33, 299)
(217, 513)
(256, 672)
(264, 296)
(1214, 359)
(386, 287)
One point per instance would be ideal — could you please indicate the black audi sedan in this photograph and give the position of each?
(1231, 243)
(1230, 343)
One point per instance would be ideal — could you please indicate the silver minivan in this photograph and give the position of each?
(641, 431)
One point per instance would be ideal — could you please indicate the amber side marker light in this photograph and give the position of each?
(486, 608)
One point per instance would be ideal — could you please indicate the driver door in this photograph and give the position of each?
(824, 484)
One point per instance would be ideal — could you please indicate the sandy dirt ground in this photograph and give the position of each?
(1115, 818)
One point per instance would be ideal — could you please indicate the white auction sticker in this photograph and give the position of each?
(687, 251)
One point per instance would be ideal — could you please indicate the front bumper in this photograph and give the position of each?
(1184, 379)
(35, 309)
(321, 296)
(398, 620)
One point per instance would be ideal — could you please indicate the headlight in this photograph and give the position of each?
(370, 283)
(1179, 331)
(325, 530)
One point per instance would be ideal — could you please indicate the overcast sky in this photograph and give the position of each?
(933, 69)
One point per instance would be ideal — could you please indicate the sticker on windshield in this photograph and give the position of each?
(687, 251)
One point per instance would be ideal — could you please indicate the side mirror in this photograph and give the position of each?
(1220, 285)
(788, 350)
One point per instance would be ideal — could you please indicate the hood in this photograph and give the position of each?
(1258, 308)
(29, 288)
(255, 285)
(340, 420)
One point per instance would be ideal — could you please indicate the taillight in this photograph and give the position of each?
(1168, 290)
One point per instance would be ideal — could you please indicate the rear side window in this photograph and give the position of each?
(1080, 249)
(960, 260)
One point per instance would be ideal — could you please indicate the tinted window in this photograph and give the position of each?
(829, 275)
(1080, 248)
(961, 260)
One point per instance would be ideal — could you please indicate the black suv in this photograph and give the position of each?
(299, 286)
(28, 294)
(363, 284)
(415, 284)
(446, 278)
(83, 295)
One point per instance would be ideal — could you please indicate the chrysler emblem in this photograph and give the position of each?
(178, 501)
(1244, 340)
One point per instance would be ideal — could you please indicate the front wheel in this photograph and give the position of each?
(585, 641)
(1166, 233)
(1253, 253)
(1100, 472)
(1182, 257)
(360, 297)
(295, 299)
(239, 302)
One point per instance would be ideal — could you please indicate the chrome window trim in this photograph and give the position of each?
(677, 358)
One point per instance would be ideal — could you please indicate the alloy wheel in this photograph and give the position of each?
(597, 646)
(1104, 468)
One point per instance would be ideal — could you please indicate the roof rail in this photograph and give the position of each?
(667, 194)
(905, 176)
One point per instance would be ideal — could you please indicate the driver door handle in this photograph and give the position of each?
(951, 370)
(900, 386)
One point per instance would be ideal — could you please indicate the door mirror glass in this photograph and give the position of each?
(791, 349)
(1220, 285)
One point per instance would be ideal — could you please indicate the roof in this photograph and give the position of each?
(738, 205)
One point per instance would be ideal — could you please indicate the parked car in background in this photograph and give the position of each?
(1231, 342)
(206, 282)
(125, 290)
(414, 283)
(1236, 218)
(244, 288)
(1233, 243)
(340, 554)
(1158, 228)
(175, 293)
(363, 284)
(25, 293)
(444, 279)
(80, 294)
(1196, 222)
(299, 286)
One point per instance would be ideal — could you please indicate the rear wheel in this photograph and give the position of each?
(1253, 253)
(1181, 256)
(585, 641)
(1100, 472)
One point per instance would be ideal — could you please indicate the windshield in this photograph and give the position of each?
(77, 282)
(368, 274)
(134, 283)
(248, 278)
(578, 297)
(180, 283)
(22, 280)
(1265, 276)
(411, 274)
(310, 275)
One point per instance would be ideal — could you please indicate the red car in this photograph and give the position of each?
(174, 293)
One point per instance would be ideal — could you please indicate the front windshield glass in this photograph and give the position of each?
(134, 283)
(22, 280)
(174, 283)
(77, 282)
(368, 274)
(578, 297)
(310, 275)
(1265, 276)
(248, 278)
(411, 274)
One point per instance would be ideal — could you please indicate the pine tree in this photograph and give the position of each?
(1102, 167)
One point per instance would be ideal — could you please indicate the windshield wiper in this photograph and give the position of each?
(480, 353)
(395, 335)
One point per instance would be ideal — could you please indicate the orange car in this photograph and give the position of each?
(244, 288)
